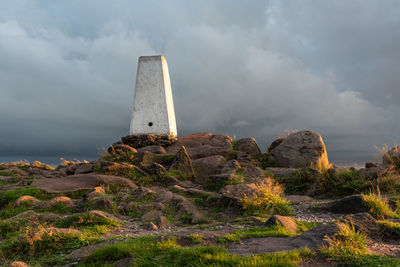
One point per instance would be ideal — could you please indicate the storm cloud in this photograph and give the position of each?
(243, 68)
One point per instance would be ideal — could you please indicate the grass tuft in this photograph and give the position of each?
(268, 200)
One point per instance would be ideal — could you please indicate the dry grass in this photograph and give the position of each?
(267, 200)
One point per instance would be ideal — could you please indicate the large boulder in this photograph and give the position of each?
(248, 145)
(143, 140)
(80, 182)
(202, 145)
(204, 167)
(300, 150)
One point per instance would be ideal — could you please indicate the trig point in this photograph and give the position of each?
(153, 107)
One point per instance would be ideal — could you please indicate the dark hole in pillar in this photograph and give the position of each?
(150, 124)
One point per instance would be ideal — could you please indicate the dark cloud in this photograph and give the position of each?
(251, 68)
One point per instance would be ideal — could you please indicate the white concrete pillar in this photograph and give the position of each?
(153, 107)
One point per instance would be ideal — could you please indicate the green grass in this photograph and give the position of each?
(30, 247)
(271, 231)
(86, 219)
(12, 195)
(391, 229)
(348, 247)
(379, 206)
(341, 183)
(147, 252)
(345, 244)
(11, 173)
(195, 238)
(121, 156)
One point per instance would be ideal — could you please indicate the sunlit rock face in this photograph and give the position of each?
(153, 110)
(299, 150)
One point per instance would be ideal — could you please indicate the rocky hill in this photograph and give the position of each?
(202, 200)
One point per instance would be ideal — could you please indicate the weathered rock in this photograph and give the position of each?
(165, 197)
(66, 201)
(231, 195)
(373, 172)
(153, 149)
(363, 222)
(26, 199)
(147, 158)
(204, 167)
(143, 140)
(347, 205)
(155, 168)
(316, 237)
(145, 207)
(287, 222)
(231, 166)
(198, 218)
(248, 145)
(275, 143)
(103, 203)
(186, 207)
(144, 193)
(202, 145)
(163, 223)
(152, 215)
(151, 226)
(28, 214)
(81, 181)
(300, 150)
(84, 168)
(370, 165)
(121, 148)
(104, 215)
(70, 170)
(183, 163)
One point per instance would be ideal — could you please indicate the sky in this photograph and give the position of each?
(242, 68)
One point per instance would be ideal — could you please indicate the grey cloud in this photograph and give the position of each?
(250, 68)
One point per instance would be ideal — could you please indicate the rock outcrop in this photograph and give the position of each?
(300, 150)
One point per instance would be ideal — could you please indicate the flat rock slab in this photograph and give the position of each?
(311, 239)
(261, 245)
(79, 182)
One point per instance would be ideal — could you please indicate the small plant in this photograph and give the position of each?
(379, 206)
(345, 244)
(196, 238)
(267, 200)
